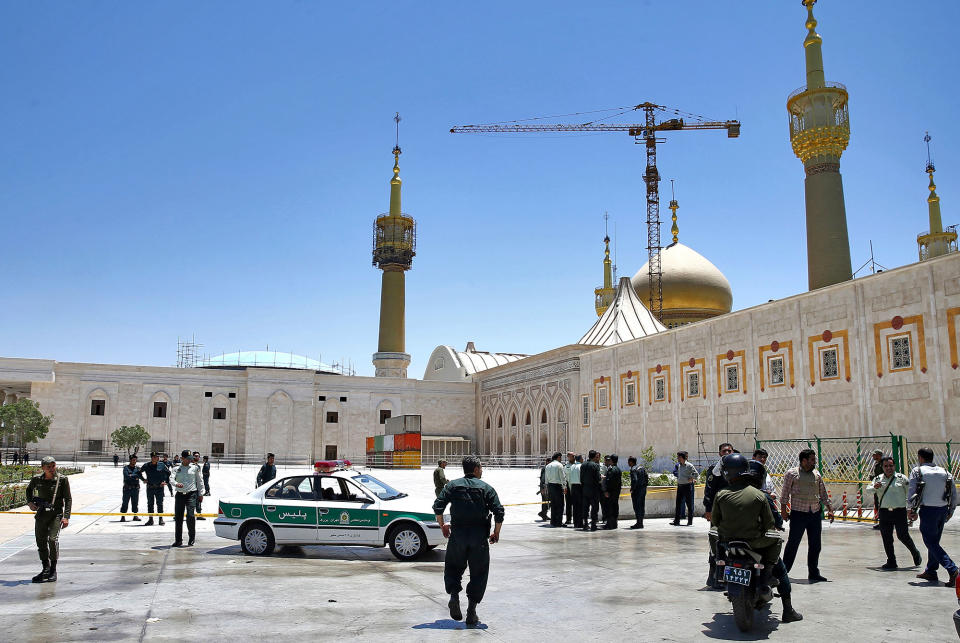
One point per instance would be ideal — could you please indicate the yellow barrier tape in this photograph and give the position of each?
(90, 513)
(622, 495)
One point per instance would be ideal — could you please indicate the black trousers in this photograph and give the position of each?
(185, 501)
(639, 499)
(612, 511)
(467, 547)
(591, 506)
(576, 501)
(568, 499)
(556, 503)
(804, 522)
(891, 519)
(206, 483)
(155, 499)
(684, 498)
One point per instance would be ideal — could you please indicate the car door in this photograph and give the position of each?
(347, 514)
(290, 506)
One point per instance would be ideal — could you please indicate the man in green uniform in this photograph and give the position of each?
(49, 496)
(740, 511)
(471, 503)
(439, 477)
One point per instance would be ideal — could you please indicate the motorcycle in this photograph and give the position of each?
(740, 569)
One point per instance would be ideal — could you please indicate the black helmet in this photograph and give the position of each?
(734, 466)
(757, 472)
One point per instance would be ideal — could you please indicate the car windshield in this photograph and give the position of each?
(378, 487)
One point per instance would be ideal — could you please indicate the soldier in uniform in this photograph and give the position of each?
(612, 486)
(206, 474)
(471, 502)
(188, 481)
(157, 475)
(131, 489)
(741, 512)
(439, 477)
(268, 471)
(49, 496)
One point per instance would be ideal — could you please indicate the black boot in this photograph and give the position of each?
(789, 614)
(123, 519)
(472, 613)
(52, 574)
(161, 522)
(42, 576)
(454, 605)
(149, 522)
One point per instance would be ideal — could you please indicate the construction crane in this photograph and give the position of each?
(645, 133)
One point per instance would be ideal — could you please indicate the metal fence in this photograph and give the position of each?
(847, 466)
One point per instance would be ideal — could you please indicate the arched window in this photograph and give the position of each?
(500, 422)
(543, 416)
(438, 364)
(487, 426)
(527, 422)
(513, 420)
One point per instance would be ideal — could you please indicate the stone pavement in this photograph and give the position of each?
(121, 581)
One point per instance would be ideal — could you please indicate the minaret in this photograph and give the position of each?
(819, 133)
(394, 246)
(603, 296)
(935, 242)
(674, 230)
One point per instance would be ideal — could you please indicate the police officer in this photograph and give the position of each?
(590, 481)
(715, 482)
(188, 481)
(165, 459)
(200, 495)
(206, 474)
(471, 503)
(268, 471)
(439, 477)
(49, 496)
(131, 488)
(741, 512)
(157, 475)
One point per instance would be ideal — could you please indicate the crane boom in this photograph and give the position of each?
(646, 133)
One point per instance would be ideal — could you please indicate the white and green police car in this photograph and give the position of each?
(332, 505)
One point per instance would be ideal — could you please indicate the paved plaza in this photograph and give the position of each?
(122, 581)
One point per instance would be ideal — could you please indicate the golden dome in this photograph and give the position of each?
(693, 288)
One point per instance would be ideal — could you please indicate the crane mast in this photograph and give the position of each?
(646, 133)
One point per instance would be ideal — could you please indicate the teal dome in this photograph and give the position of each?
(264, 359)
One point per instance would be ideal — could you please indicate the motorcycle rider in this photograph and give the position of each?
(715, 482)
(742, 512)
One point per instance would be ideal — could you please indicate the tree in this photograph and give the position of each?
(130, 438)
(24, 421)
(648, 455)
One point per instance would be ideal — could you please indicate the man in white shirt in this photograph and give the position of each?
(556, 478)
(933, 496)
(187, 479)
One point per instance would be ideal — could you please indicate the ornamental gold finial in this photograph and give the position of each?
(674, 230)
(396, 150)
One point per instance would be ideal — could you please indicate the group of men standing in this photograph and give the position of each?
(188, 482)
(590, 491)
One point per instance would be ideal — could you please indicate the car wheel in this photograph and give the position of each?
(257, 540)
(407, 541)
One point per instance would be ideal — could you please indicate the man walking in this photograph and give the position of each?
(803, 496)
(568, 497)
(268, 471)
(556, 479)
(131, 489)
(157, 476)
(686, 478)
(576, 491)
(439, 477)
(639, 479)
(48, 494)
(591, 484)
(471, 501)
(188, 481)
(715, 482)
(205, 469)
(889, 491)
(933, 491)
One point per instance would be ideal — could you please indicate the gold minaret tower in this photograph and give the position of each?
(935, 242)
(394, 246)
(819, 133)
(603, 296)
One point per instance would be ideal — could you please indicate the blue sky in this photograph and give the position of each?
(214, 168)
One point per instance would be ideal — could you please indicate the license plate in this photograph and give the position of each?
(737, 575)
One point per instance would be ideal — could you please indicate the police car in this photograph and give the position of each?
(333, 505)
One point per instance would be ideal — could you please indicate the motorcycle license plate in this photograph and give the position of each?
(737, 575)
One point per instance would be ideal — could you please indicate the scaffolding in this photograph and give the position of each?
(187, 352)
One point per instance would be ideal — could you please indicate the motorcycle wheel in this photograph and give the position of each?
(743, 611)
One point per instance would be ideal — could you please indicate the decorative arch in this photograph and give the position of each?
(543, 430)
(563, 434)
(279, 426)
